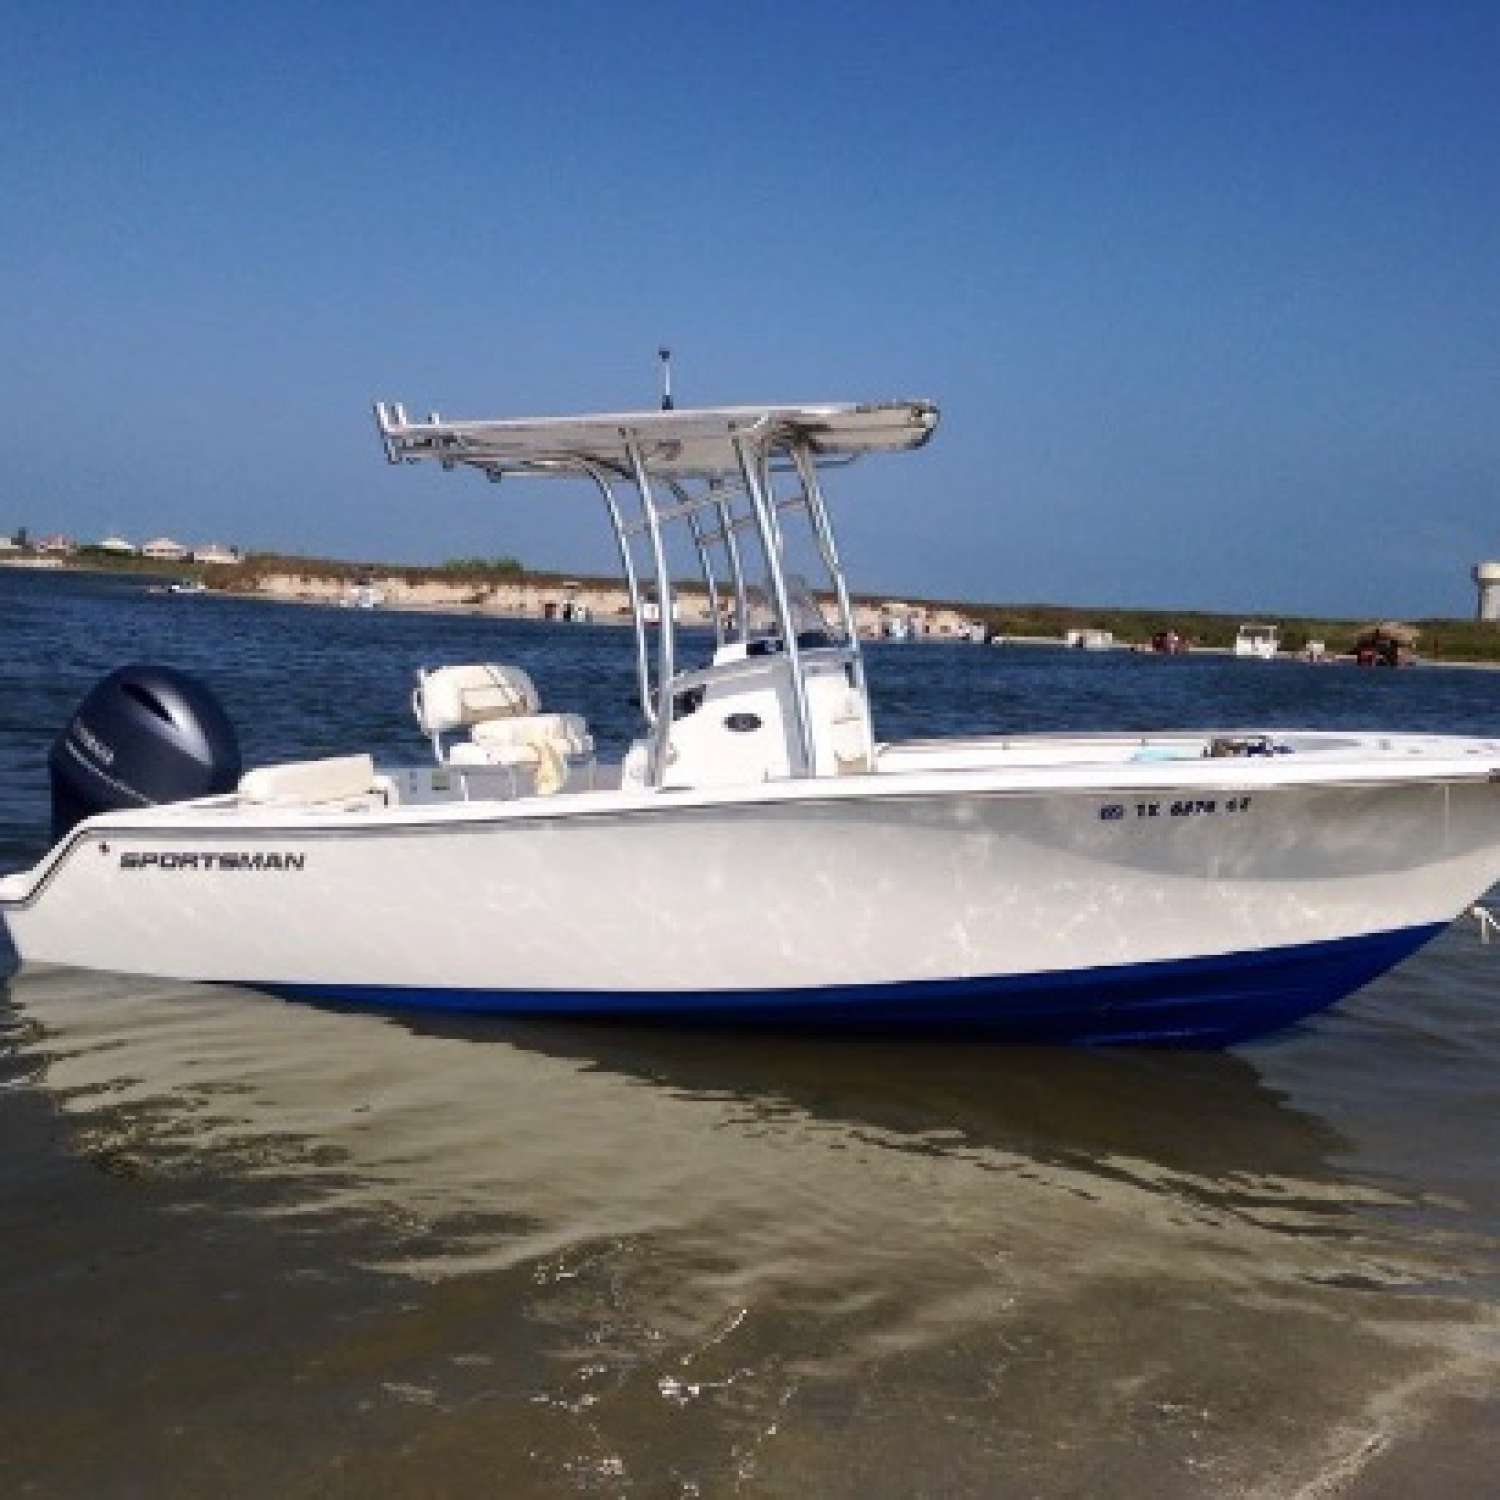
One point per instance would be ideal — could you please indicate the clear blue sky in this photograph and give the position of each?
(1209, 293)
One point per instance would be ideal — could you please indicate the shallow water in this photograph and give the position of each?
(253, 1247)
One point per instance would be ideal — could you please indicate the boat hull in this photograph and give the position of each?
(1183, 915)
(1215, 1001)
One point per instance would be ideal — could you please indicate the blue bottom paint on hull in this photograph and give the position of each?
(1211, 1001)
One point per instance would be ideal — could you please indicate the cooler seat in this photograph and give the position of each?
(500, 708)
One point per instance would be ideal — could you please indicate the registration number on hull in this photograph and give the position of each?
(1177, 807)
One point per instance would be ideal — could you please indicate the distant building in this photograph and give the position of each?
(217, 555)
(8, 543)
(118, 545)
(1487, 579)
(164, 549)
(57, 546)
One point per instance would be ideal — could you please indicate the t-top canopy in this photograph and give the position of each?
(673, 443)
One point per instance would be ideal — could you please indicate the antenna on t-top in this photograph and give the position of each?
(665, 356)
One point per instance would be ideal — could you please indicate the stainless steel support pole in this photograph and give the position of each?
(662, 728)
(705, 562)
(736, 568)
(817, 509)
(632, 585)
(770, 543)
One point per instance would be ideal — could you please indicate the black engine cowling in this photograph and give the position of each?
(143, 735)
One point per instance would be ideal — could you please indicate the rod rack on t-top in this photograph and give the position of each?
(717, 471)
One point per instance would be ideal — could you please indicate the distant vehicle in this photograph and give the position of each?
(1260, 641)
(1315, 651)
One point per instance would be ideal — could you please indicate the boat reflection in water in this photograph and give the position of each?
(838, 1265)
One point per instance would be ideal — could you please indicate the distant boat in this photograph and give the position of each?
(573, 609)
(187, 586)
(651, 612)
(1258, 641)
(363, 595)
(1090, 640)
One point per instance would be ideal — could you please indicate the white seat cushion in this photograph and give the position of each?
(540, 743)
(567, 732)
(453, 697)
(310, 780)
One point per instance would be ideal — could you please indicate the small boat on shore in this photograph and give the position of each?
(760, 853)
(1259, 642)
(363, 593)
(1090, 639)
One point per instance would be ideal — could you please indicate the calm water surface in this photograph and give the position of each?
(250, 1248)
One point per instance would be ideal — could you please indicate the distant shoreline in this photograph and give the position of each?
(507, 591)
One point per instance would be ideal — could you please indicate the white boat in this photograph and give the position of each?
(898, 622)
(363, 594)
(572, 609)
(1091, 639)
(187, 586)
(651, 611)
(761, 854)
(1259, 641)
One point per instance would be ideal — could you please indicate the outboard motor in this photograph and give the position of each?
(143, 735)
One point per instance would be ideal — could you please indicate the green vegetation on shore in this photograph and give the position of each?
(1438, 639)
(478, 570)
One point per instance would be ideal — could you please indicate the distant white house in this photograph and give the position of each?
(57, 546)
(119, 545)
(8, 543)
(218, 555)
(164, 549)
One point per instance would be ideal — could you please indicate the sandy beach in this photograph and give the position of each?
(533, 600)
